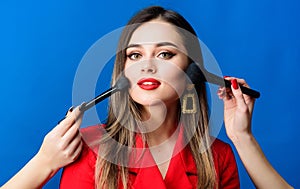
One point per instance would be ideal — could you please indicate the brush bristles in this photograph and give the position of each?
(122, 83)
(195, 74)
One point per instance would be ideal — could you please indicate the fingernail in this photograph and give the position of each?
(70, 109)
(225, 76)
(234, 84)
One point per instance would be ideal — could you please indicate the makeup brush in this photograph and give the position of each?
(198, 76)
(121, 84)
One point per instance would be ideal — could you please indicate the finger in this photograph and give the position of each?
(66, 141)
(74, 143)
(248, 99)
(74, 115)
(77, 113)
(229, 95)
(226, 95)
(242, 82)
(73, 146)
(69, 111)
(221, 92)
(77, 151)
(245, 84)
(74, 128)
(238, 95)
(59, 126)
(69, 121)
(239, 81)
(70, 134)
(62, 126)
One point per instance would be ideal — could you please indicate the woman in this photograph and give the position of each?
(154, 50)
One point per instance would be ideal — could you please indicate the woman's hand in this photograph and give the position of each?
(63, 144)
(238, 109)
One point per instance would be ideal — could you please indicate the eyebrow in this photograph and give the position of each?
(157, 45)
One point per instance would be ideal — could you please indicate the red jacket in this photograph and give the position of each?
(181, 173)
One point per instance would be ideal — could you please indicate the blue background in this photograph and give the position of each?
(42, 44)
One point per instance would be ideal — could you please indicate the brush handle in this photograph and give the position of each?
(245, 90)
(121, 84)
(87, 105)
(96, 100)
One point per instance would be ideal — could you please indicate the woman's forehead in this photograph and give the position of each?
(156, 32)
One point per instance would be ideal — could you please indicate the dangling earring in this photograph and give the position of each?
(189, 101)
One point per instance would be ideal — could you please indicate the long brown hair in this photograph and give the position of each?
(110, 169)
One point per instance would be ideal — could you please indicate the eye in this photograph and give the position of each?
(134, 56)
(166, 55)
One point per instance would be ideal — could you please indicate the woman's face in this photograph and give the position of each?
(155, 63)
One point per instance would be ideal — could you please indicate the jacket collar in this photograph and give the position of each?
(181, 173)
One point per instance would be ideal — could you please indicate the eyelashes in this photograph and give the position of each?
(134, 56)
(165, 55)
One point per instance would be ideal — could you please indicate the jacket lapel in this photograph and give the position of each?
(144, 173)
(182, 172)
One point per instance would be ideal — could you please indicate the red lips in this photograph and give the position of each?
(148, 83)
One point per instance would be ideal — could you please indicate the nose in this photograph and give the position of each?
(149, 67)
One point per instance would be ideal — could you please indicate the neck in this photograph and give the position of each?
(161, 122)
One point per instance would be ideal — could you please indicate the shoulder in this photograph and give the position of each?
(218, 146)
(225, 164)
(92, 132)
(91, 136)
(222, 152)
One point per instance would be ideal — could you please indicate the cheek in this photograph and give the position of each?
(132, 73)
(175, 78)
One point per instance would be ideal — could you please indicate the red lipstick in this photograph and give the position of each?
(148, 83)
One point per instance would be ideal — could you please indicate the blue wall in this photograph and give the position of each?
(42, 44)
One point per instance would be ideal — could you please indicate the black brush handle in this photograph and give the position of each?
(85, 106)
(121, 84)
(245, 90)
